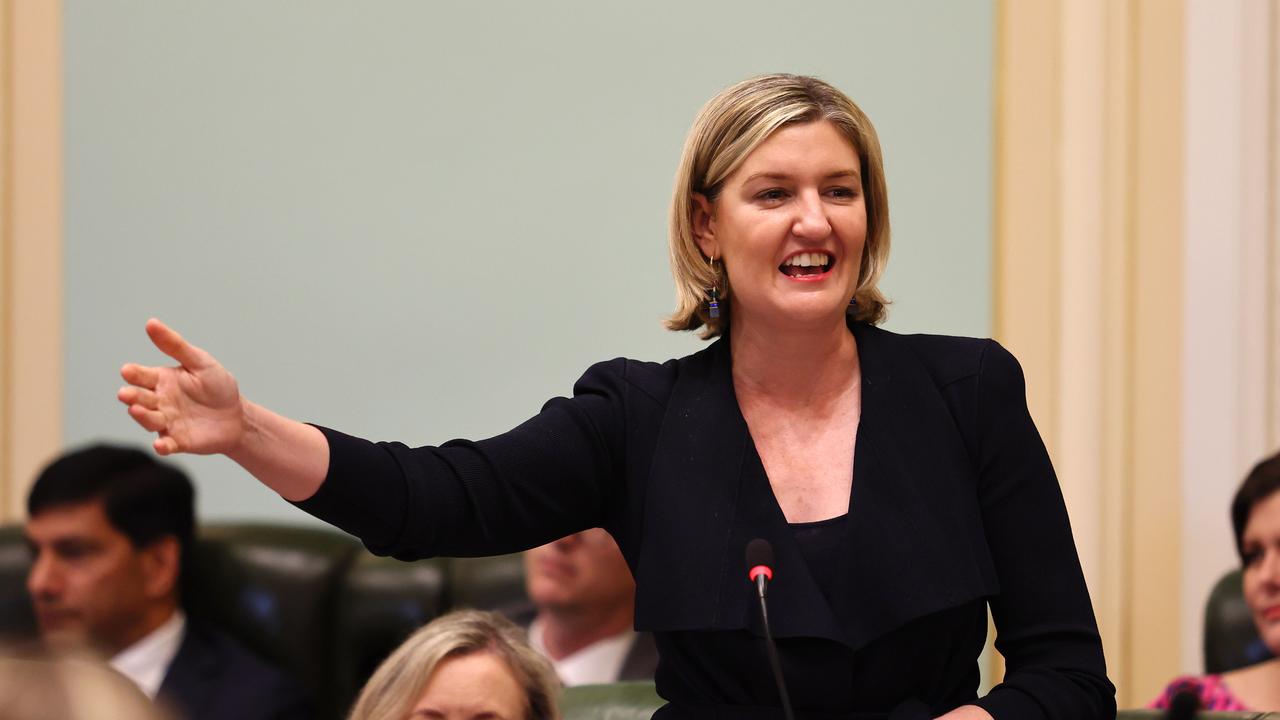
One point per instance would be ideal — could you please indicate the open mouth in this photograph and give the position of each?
(807, 264)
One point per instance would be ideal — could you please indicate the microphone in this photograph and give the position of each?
(1184, 705)
(760, 572)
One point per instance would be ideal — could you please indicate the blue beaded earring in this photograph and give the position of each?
(853, 305)
(713, 304)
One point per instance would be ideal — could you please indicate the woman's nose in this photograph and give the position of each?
(811, 217)
(1271, 568)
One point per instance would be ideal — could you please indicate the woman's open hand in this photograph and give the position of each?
(194, 407)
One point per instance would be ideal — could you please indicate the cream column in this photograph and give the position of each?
(1088, 293)
(30, 245)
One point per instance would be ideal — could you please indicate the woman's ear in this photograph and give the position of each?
(704, 226)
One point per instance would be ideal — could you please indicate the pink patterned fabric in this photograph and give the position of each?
(1213, 693)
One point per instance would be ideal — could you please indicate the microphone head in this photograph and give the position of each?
(1184, 705)
(759, 559)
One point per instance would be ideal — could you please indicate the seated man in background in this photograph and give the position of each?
(584, 610)
(109, 530)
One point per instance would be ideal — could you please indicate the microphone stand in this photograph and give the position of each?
(773, 650)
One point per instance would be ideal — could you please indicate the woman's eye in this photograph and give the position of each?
(844, 193)
(1251, 556)
(772, 194)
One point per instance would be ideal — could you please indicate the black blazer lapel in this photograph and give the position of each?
(916, 542)
(914, 535)
(690, 500)
(707, 497)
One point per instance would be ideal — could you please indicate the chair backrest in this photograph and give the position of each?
(381, 602)
(616, 701)
(1230, 638)
(308, 598)
(273, 587)
(17, 623)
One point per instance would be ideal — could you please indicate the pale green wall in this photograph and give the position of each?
(420, 220)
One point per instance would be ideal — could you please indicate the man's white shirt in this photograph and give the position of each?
(599, 662)
(147, 661)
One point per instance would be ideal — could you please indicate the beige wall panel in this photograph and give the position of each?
(6, 47)
(1081, 189)
(1026, 218)
(31, 427)
(1155, 368)
(1088, 293)
(1114, 422)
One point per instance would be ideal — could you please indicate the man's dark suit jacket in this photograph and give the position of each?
(954, 507)
(213, 677)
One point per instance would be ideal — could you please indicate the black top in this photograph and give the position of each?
(954, 505)
(822, 543)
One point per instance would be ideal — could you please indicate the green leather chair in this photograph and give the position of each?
(1230, 638)
(17, 623)
(380, 603)
(309, 598)
(617, 701)
(273, 587)
(638, 701)
(489, 583)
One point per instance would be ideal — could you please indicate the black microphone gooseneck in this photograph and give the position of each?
(760, 572)
(1184, 705)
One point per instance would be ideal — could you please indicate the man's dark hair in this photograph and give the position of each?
(1261, 482)
(143, 498)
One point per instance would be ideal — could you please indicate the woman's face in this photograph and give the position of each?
(1261, 544)
(790, 225)
(478, 686)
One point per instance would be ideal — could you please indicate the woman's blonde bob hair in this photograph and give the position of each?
(727, 129)
(400, 680)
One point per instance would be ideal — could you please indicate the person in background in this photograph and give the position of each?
(39, 685)
(583, 611)
(467, 665)
(1255, 517)
(109, 530)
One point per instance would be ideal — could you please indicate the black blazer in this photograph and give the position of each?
(954, 504)
(213, 677)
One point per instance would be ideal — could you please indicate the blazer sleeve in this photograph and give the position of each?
(1045, 626)
(551, 476)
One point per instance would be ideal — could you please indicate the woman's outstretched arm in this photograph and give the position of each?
(196, 407)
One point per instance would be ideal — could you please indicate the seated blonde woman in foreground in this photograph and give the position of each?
(462, 666)
(38, 685)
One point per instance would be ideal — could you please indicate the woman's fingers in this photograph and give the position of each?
(165, 445)
(152, 420)
(140, 375)
(131, 395)
(173, 345)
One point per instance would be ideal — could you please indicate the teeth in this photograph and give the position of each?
(809, 260)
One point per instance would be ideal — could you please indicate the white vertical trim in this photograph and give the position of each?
(1273, 233)
(1227, 210)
